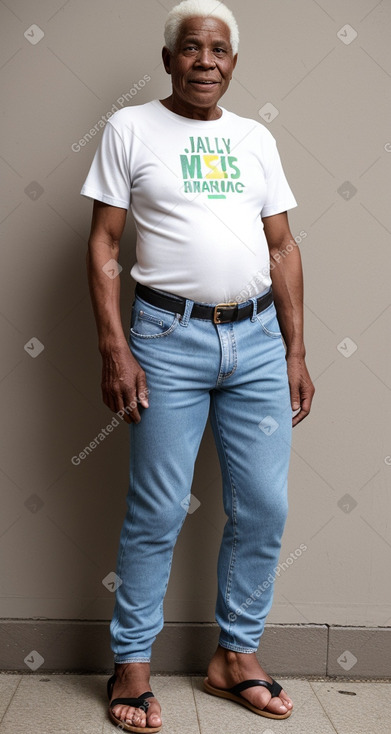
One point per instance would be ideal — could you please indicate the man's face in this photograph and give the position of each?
(202, 64)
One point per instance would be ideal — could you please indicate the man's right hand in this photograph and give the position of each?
(124, 384)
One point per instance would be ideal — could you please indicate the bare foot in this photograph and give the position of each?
(227, 668)
(132, 680)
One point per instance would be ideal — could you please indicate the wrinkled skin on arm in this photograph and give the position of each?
(287, 284)
(124, 386)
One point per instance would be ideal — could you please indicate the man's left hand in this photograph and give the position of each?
(301, 387)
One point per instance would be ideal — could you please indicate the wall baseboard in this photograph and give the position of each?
(58, 646)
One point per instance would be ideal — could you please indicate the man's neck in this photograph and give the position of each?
(192, 113)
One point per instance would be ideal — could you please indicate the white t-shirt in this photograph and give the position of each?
(197, 191)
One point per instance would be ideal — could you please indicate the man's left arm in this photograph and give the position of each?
(287, 283)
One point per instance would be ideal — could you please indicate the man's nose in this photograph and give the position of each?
(205, 59)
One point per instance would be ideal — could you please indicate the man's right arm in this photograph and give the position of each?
(123, 380)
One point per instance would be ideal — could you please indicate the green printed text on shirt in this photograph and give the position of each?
(208, 167)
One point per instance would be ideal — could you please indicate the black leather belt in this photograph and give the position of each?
(222, 313)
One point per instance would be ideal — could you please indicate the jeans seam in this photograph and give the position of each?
(272, 334)
(234, 516)
(170, 566)
(224, 375)
(261, 316)
(136, 659)
(120, 559)
(236, 648)
(157, 336)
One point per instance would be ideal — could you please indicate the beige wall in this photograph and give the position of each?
(60, 523)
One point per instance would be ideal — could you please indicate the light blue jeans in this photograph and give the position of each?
(237, 373)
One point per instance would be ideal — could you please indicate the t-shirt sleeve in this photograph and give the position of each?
(108, 179)
(279, 197)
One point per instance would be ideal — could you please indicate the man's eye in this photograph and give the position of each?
(220, 50)
(190, 48)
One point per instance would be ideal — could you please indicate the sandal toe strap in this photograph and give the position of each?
(274, 687)
(138, 703)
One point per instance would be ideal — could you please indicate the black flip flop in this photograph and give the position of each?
(233, 694)
(139, 702)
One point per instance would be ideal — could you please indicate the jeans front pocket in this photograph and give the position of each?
(269, 322)
(150, 322)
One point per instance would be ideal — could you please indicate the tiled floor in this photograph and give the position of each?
(76, 704)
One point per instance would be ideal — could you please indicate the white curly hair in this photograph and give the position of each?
(199, 9)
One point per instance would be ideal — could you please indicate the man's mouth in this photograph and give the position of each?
(199, 81)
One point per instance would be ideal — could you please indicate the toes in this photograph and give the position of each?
(138, 718)
(277, 706)
(129, 715)
(286, 700)
(118, 712)
(153, 717)
(154, 720)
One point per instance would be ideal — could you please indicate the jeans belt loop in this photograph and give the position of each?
(184, 321)
(254, 301)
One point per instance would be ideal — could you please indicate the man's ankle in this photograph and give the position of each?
(121, 668)
(233, 656)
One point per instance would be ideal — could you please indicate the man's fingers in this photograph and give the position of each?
(142, 389)
(124, 405)
(299, 417)
(305, 408)
(128, 410)
(301, 389)
(132, 410)
(124, 386)
(139, 397)
(295, 401)
(109, 400)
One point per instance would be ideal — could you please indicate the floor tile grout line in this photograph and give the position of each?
(195, 704)
(298, 707)
(10, 701)
(323, 709)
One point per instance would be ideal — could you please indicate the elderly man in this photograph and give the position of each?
(208, 336)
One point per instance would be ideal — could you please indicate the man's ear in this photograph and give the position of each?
(166, 56)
